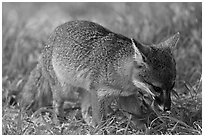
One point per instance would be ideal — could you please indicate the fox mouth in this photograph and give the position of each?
(150, 94)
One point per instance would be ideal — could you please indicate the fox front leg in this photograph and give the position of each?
(98, 108)
(85, 105)
(58, 101)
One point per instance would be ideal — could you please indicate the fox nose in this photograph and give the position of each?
(167, 108)
(164, 108)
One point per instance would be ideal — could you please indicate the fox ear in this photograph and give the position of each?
(172, 41)
(137, 54)
(140, 50)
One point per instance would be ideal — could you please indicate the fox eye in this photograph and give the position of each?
(157, 89)
(139, 65)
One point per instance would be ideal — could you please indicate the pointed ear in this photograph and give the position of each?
(139, 48)
(172, 41)
(137, 55)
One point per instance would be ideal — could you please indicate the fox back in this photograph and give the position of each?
(86, 51)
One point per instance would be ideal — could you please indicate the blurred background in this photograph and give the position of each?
(26, 26)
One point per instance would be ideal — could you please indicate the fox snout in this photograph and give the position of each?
(164, 100)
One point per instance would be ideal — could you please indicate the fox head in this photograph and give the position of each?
(155, 70)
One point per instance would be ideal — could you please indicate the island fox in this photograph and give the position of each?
(84, 61)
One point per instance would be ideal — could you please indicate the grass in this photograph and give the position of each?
(26, 26)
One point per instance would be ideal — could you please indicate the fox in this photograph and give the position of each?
(84, 61)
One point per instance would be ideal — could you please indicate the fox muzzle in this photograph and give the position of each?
(164, 100)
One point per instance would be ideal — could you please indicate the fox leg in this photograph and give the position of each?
(95, 105)
(62, 93)
(85, 105)
(99, 104)
(58, 101)
(58, 106)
